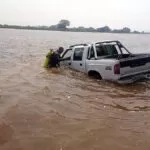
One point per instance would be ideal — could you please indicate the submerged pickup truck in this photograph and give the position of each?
(108, 60)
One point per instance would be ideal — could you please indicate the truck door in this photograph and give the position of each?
(78, 60)
(66, 57)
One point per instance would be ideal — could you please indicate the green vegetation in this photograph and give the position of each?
(63, 26)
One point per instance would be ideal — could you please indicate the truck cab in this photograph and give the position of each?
(76, 57)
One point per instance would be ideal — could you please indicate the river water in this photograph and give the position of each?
(61, 109)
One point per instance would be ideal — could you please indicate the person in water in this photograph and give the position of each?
(53, 58)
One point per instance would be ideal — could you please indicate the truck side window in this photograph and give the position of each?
(78, 54)
(111, 49)
(67, 54)
(101, 51)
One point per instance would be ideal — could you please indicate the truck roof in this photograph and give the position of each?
(101, 43)
(110, 42)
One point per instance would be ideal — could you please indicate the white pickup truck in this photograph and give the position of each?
(108, 60)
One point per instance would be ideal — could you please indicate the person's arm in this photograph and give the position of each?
(63, 59)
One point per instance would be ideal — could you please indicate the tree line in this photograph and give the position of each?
(63, 25)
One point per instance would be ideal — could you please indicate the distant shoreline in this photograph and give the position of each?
(46, 28)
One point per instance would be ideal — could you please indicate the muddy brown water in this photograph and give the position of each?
(61, 109)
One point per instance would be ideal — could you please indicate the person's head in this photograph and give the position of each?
(60, 50)
(51, 50)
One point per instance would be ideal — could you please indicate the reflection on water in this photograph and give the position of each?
(61, 109)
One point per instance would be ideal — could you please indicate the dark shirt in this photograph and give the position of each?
(54, 60)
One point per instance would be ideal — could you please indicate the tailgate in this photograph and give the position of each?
(134, 65)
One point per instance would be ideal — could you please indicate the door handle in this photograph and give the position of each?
(80, 64)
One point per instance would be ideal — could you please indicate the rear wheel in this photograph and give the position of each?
(94, 74)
